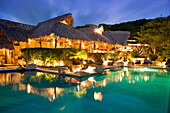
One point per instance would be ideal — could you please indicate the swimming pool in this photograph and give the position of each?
(131, 90)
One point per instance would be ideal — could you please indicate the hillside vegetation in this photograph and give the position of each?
(132, 26)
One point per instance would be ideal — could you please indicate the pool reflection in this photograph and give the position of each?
(54, 86)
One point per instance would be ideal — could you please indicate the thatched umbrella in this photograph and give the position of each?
(117, 37)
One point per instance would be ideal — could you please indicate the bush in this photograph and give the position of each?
(48, 54)
(153, 57)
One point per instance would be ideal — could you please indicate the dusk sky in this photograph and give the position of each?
(83, 11)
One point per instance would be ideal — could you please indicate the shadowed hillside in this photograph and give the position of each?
(132, 26)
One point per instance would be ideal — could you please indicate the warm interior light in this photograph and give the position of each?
(29, 41)
(126, 63)
(99, 30)
(48, 64)
(54, 42)
(56, 63)
(35, 61)
(105, 62)
(69, 42)
(63, 22)
(82, 45)
(61, 63)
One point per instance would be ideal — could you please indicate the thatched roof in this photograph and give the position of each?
(4, 42)
(89, 32)
(55, 26)
(58, 29)
(15, 31)
(117, 37)
(67, 17)
(20, 32)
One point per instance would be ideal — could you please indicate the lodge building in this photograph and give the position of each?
(57, 32)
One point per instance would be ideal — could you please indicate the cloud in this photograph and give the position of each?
(84, 11)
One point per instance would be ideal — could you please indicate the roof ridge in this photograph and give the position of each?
(60, 18)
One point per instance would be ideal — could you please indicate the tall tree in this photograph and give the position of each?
(156, 34)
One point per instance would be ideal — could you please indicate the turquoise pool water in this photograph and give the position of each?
(131, 90)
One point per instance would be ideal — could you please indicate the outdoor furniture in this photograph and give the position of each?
(137, 62)
(146, 62)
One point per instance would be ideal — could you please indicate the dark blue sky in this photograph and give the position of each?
(84, 11)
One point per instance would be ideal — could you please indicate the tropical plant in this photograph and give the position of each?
(50, 54)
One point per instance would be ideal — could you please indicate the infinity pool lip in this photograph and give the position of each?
(79, 75)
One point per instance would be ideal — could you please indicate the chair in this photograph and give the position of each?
(137, 62)
(146, 62)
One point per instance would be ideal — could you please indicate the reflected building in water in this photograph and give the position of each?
(124, 80)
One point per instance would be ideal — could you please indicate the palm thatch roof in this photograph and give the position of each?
(89, 32)
(20, 32)
(15, 31)
(67, 18)
(4, 42)
(117, 37)
(62, 26)
(58, 29)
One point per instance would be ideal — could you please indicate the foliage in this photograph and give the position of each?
(50, 54)
(139, 52)
(85, 26)
(80, 55)
(156, 34)
(132, 26)
(98, 57)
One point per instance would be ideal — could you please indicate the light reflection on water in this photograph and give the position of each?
(138, 83)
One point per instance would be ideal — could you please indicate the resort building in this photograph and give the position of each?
(57, 32)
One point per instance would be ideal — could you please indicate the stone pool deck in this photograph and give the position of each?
(78, 74)
(99, 70)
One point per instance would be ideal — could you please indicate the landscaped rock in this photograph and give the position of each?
(100, 69)
(62, 69)
(31, 67)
